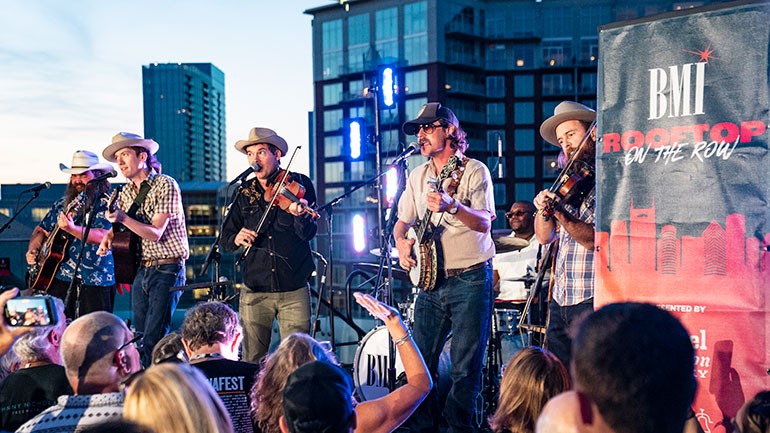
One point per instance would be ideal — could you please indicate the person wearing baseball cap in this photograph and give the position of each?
(454, 192)
(569, 220)
(92, 281)
(277, 263)
(150, 206)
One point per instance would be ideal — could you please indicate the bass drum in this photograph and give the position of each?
(370, 368)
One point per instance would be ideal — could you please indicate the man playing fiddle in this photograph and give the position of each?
(571, 224)
(278, 264)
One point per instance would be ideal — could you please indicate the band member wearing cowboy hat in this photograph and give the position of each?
(279, 263)
(160, 223)
(461, 301)
(571, 225)
(94, 279)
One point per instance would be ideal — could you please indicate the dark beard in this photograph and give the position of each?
(94, 191)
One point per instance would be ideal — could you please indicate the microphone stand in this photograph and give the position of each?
(89, 216)
(7, 224)
(218, 290)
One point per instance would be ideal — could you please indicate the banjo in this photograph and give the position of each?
(424, 251)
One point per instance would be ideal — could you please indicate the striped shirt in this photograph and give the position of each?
(164, 197)
(574, 279)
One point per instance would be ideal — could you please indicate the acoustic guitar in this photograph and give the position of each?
(126, 246)
(51, 253)
(424, 251)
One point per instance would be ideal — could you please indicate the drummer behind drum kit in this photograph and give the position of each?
(370, 368)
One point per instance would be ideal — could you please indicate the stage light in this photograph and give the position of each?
(391, 184)
(388, 87)
(359, 238)
(355, 136)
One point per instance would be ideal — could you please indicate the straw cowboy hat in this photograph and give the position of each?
(263, 135)
(83, 161)
(567, 110)
(127, 139)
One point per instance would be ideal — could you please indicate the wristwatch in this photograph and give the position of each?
(454, 207)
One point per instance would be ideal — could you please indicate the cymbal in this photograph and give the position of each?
(373, 268)
(393, 252)
(506, 244)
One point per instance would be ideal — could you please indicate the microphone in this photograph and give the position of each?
(500, 174)
(38, 188)
(413, 147)
(241, 177)
(109, 174)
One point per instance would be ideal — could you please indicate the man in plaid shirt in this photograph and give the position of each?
(159, 222)
(570, 222)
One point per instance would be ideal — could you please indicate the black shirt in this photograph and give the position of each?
(279, 259)
(29, 391)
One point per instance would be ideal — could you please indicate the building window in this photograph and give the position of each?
(524, 166)
(496, 26)
(588, 82)
(524, 191)
(38, 213)
(332, 120)
(523, 86)
(334, 172)
(496, 113)
(524, 57)
(492, 136)
(523, 113)
(496, 86)
(523, 140)
(589, 50)
(496, 58)
(465, 82)
(332, 146)
(557, 22)
(557, 52)
(412, 106)
(331, 48)
(557, 84)
(416, 81)
(499, 191)
(358, 41)
(386, 33)
(522, 21)
(332, 94)
(416, 33)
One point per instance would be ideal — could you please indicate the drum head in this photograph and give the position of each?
(370, 368)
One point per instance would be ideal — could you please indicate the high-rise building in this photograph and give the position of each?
(184, 111)
(500, 65)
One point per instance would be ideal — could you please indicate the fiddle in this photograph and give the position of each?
(286, 192)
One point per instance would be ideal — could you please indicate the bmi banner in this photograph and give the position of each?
(684, 188)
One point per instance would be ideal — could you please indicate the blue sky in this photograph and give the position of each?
(71, 76)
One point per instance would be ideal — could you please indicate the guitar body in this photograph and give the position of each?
(126, 246)
(50, 258)
(424, 274)
(51, 254)
(126, 253)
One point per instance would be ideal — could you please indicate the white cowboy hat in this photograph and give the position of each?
(127, 139)
(263, 135)
(83, 161)
(567, 110)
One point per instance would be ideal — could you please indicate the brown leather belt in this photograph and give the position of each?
(449, 273)
(159, 262)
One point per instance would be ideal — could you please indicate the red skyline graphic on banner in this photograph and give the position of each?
(649, 261)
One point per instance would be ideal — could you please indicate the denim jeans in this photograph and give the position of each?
(153, 304)
(560, 322)
(258, 311)
(461, 305)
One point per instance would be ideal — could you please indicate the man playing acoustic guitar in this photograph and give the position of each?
(56, 243)
(150, 205)
(454, 194)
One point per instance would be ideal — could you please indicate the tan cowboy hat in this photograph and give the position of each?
(127, 139)
(567, 110)
(83, 161)
(263, 135)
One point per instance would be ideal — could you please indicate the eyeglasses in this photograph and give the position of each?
(518, 213)
(137, 341)
(430, 127)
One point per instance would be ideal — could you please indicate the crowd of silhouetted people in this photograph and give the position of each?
(631, 372)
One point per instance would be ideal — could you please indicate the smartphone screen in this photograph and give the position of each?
(30, 311)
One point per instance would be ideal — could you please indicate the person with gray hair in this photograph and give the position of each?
(211, 336)
(40, 378)
(99, 352)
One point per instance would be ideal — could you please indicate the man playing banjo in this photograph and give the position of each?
(449, 205)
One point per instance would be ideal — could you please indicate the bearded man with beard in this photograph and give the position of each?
(94, 286)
